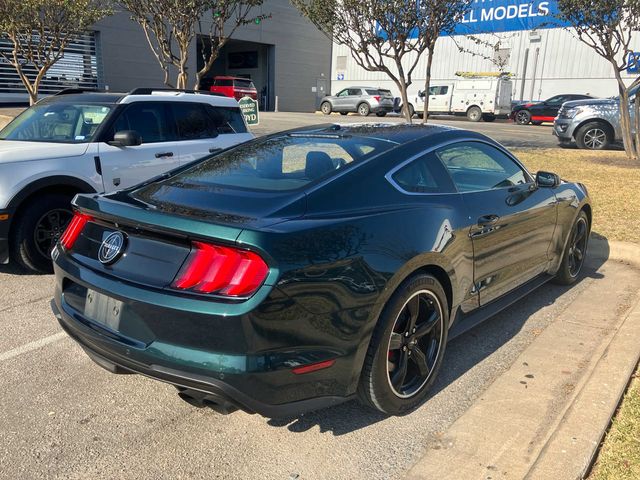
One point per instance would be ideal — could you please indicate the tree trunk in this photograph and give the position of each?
(405, 100)
(636, 120)
(625, 119)
(427, 85)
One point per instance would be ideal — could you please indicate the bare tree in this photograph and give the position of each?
(383, 36)
(439, 17)
(226, 17)
(170, 28)
(39, 31)
(607, 27)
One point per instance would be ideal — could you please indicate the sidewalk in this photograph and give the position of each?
(545, 417)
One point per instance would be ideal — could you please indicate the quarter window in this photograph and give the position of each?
(423, 175)
(479, 166)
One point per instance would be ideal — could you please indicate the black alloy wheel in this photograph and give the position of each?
(50, 228)
(38, 226)
(523, 117)
(406, 348)
(575, 251)
(578, 246)
(414, 344)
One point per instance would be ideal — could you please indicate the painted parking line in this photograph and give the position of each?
(29, 347)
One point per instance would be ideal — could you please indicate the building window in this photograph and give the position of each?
(78, 68)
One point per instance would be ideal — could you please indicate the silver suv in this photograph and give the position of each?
(363, 100)
(86, 142)
(593, 124)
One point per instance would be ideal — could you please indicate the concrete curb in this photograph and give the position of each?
(551, 426)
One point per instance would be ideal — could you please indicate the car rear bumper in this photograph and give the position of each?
(382, 108)
(172, 345)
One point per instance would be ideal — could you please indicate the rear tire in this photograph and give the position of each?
(489, 117)
(594, 136)
(523, 117)
(381, 114)
(41, 223)
(364, 110)
(412, 111)
(406, 348)
(474, 114)
(326, 108)
(575, 251)
(344, 113)
(536, 123)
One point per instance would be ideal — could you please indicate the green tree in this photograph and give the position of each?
(170, 26)
(607, 27)
(39, 31)
(382, 36)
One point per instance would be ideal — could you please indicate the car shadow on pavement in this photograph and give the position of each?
(463, 353)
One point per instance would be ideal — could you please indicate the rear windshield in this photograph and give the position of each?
(373, 92)
(223, 82)
(244, 83)
(282, 163)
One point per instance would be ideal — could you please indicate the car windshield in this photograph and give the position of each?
(57, 122)
(287, 162)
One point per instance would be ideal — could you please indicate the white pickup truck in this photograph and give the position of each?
(477, 98)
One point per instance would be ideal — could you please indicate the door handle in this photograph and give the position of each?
(486, 220)
(164, 154)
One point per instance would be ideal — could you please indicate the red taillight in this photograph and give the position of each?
(74, 229)
(314, 367)
(222, 270)
(377, 97)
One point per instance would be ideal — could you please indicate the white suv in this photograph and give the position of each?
(84, 142)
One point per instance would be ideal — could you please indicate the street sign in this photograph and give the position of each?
(633, 63)
(341, 76)
(249, 108)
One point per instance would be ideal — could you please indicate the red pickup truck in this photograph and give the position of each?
(234, 87)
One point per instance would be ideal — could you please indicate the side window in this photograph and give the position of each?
(225, 120)
(192, 122)
(423, 175)
(148, 119)
(343, 93)
(354, 91)
(479, 166)
(444, 90)
(557, 99)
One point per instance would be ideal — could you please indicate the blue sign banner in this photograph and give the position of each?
(493, 16)
(633, 62)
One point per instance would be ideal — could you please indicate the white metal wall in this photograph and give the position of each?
(563, 65)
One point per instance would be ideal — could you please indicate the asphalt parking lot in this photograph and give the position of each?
(502, 130)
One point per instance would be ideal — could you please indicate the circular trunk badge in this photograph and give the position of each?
(111, 248)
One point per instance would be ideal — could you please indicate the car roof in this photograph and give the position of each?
(395, 132)
(229, 77)
(149, 95)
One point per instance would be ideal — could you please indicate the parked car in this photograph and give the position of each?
(81, 142)
(361, 100)
(313, 266)
(539, 112)
(482, 98)
(234, 87)
(593, 124)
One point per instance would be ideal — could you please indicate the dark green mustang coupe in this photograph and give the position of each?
(313, 266)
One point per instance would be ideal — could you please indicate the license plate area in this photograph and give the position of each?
(103, 309)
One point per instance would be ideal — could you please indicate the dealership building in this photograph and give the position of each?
(543, 58)
(284, 55)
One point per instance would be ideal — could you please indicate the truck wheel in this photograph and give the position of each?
(41, 223)
(326, 108)
(523, 117)
(344, 113)
(594, 136)
(412, 111)
(474, 114)
(381, 114)
(489, 117)
(364, 109)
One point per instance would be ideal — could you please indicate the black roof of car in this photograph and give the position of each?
(395, 132)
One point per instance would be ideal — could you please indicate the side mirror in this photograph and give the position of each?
(126, 138)
(547, 180)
